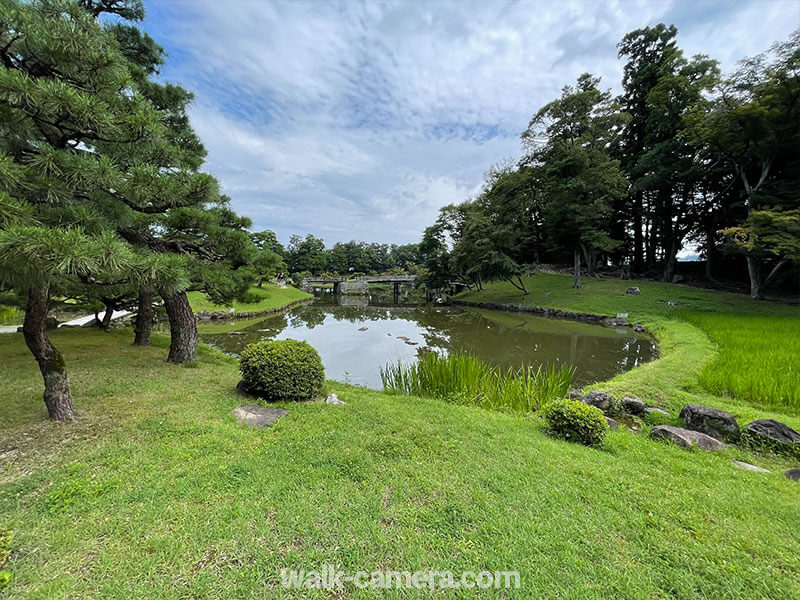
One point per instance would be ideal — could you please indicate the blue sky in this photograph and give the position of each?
(358, 120)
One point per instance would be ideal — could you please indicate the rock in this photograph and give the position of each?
(575, 395)
(612, 424)
(793, 474)
(258, 416)
(8, 453)
(333, 399)
(622, 315)
(677, 278)
(654, 409)
(638, 327)
(749, 467)
(363, 328)
(599, 399)
(711, 421)
(671, 303)
(633, 290)
(632, 405)
(685, 438)
(772, 432)
(203, 315)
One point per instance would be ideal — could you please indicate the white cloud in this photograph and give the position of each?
(359, 120)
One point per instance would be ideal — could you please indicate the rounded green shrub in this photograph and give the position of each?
(282, 370)
(577, 422)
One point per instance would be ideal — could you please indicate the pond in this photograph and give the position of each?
(356, 337)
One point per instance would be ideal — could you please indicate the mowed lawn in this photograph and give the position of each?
(157, 493)
(272, 297)
(746, 354)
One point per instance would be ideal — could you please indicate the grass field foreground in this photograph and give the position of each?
(156, 493)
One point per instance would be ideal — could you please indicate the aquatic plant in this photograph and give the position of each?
(466, 379)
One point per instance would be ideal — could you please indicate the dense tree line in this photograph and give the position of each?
(309, 255)
(682, 156)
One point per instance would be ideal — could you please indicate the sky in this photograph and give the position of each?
(359, 120)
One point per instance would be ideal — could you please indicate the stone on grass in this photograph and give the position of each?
(654, 409)
(633, 290)
(748, 467)
(333, 399)
(711, 421)
(632, 405)
(258, 416)
(685, 438)
(793, 474)
(772, 432)
(612, 424)
(601, 400)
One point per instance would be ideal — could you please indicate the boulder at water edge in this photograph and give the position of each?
(685, 438)
(711, 421)
(599, 399)
(632, 406)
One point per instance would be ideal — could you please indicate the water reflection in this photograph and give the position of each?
(355, 339)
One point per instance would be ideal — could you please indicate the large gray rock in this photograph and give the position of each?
(654, 409)
(632, 405)
(711, 421)
(599, 399)
(773, 433)
(258, 416)
(685, 438)
(793, 474)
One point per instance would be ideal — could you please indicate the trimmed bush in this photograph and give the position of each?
(282, 370)
(577, 422)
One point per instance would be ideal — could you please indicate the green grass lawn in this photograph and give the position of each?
(718, 348)
(156, 493)
(272, 297)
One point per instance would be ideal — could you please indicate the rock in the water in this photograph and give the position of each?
(748, 467)
(333, 399)
(599, 399)
(711, 421)
(772, 432)
(638, 327)
(633, 290)
(793, 474)
(612, 424)
(685, 438)
(363, 328)
(632, 405)
(258, 416)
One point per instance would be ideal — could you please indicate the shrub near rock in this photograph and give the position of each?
(577, 422)
(282, 370)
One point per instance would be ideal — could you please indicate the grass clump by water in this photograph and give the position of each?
(466, 379)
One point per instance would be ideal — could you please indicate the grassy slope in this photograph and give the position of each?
(157, 493)
(714, 345)
(274, 297)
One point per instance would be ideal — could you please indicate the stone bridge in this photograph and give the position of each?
(359, 284)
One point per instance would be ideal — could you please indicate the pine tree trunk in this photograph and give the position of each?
(754, 270)
(144, 317)
(57, 396)
(576, 282)
(106, 322)
(183, 329)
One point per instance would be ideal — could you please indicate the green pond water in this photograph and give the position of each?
(357, 336)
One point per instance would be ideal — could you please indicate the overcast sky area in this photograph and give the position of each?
(359, 120)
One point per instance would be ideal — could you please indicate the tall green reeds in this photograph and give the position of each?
(466, 379)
